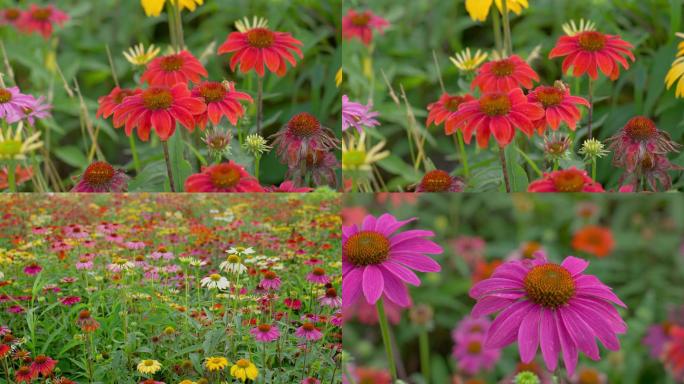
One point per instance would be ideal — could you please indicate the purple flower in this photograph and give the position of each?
(309, 332)
(13, 103)
(470, 325)
(101, 177)
(656, 338)
(39, 110)
(472, 356)
(265, 333)
(357, 115)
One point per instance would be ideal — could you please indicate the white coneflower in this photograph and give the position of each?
(215, 281)
(119, 265)
(233, 265)
(240, 250)
(138, 55)
(195, 262)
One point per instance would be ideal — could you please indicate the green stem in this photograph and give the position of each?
(424, 354)
(257, 158)
(11, 176)
(463, 154)
(180, 40)
(7, 373)
(384, 329)
(167, 158)
(260, 103)
(496, 25)
(172, 24)
(591, 105)
(504, 169)
(508, 43)
(593, 168)
(134, 152)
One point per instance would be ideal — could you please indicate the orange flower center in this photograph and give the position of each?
(436, 181)
(361, 19)
(270, 275)
(589, 376)
(212, 92)
(224, 176)
(530, 367)
(331, 292)
(5, 96)
(121, 95)
(549, 96)
(366, 248)
(12, 14)
(260, 37)
(98, 173)
(42, 14)
(23, 371)
(453, 103)
(84, 314)
(308, 327)
(319, 272)
(474, 347)
(570, 180)
(41, 359)
(640, 128)
(264, 328)
(171, 63)
(304, 125)
(242, 363)
(592, 41)
(496, 104)
(157, 98)
(503, 67)
(530, 248)
(549, 285)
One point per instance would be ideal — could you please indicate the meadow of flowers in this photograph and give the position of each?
(526, 289)
(515, 95)
(165, 288)
(178, 95)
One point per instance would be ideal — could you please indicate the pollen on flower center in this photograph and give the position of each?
(242, 363)
(549, 285)
(85, 314)
(308, 327)
(640, 128)
(157, 98)
(42, 14)
(304, 125)
(10, 148)
(260, 37)
(12, 14)
(549, 96)
(270, 275)
(171, 63)
(225, 177)
(5, 96)
(569, 181)
(212, 92)
(233, 259)
(319, 272)
(436, 181)
(361, 19)
(503, 67)
(148, 363)
(474, 347)
(496, 104)
(215, 277)
(592, 41)
(366, 248)
(40, 359)
(264, 328)
(98, 173)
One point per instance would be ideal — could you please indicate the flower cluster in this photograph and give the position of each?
(35, 19)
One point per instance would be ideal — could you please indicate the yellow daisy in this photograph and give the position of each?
(338, 77)
(215, 363)
(677, 71)
(14, 147)
(465, 61)
(186, 381)
(149, 367)
(355, 157)
(479, 9)
(153, 8)
(243, 370)
(137, 55)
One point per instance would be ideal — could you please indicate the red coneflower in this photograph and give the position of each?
(159, 107)
(10, 16)
(440, 181)
(595, 240)
(101, 177)
(638, 138)
(4, 350)
(111, 101)
(221, 100)
(86, 322)
(653, 170)
(300, 135)
(257, 48)
(24, 374)
(41, 19)
(504, 75)
(224, 177)
(674, 352)
(175, 68)
(590, 51)
(443, 110)
(567, 180)
(43, 365)
(498, 114)
(360, 25)
(559, 106)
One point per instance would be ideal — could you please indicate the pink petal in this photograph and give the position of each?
(574, 265)
(504, 329)
(400, 272)
(494, 284)
(580, 332)
(418, 262)
(351, 286)
(490, 304)
(568, 346)
(396, 291)
(550, 346)
(373, 283)
(528, 336)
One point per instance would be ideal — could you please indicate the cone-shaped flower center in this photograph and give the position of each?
(319, 272)
(23, 371)
(308, 327)
(98, 173)
(549, 96)
(474, 347)
(503, 67)
(361, 19)
(41, 359)
(212, 92)
(354, 158)
(331, 292)
(496, 104)
(140, 258)
(171, 63)
(5, 96)
(121, 95)
(570, 180)
(640, 128)
(270, 275)
(436, 181)
(224, 176)
(42, 14)
(233, 259)
(10, 148)
(260, 37)
(366, 248)
(215, 277)
(477, 328)
(242, 363)
(589, 376)
(592, 41)
(264, 328)
(148, 363)
(12, 14)
(85, 314)
(157, 98)
(549, 285)
(304, 125)
(453, 102)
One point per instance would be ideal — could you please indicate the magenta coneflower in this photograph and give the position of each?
(70, 300)
(319, 165)
(224, 177)
(101, 177)
(172, 69)
(639, 137)
(302, 134)
(40, 109)
(32, 269)
(13, 103)
(472, 356)
(357, 115)
(504, 75)
(330, 299)
(10, 16)
(318, 276)
(270, 281)
(559, 106)
(309, 332)
(41, 19)
(565, 180)
(470, 325)
(84, 263)
(657, 337)
(555, 307)
(265, 333)
(375, 260)
(360, 25)
(653, 170)
(222, 101)
(288, 186)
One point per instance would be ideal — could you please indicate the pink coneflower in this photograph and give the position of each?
(559, 106)
(313, 261)
(24, 374)
(638, 138)
(13, 103)
(172, 69)
(318, 276)
(43, 365)
(70, 300)
(75, 231)
(504, 75)
(41, 19)
(567, 180)
(101, 177)
(360, 25)
(319, 165)
(135, 244)
(310, 380)
(10, 16)
(653, 170)
(470, 248)
(112, 100)
(308, 331)
(472, 355)
(224, 177)
(376, 260)
(270, 281)
(590, 51)
(222, 100)
(114, 238)
(470, 325)
(260, 48)
(331, 299)
(301, 135)
(440, 181)
(84, 263)
(265, 333)
(443, 109)
(357, 115)
(161, 252)
(39, 109)
(657, 337)
(294, 304)
(288, 186)
(16, 309)
(555, 307)
(32, 269)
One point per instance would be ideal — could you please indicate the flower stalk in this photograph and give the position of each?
(384, 329)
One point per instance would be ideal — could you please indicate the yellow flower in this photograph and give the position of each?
(356, 158)
(154, 7)
(137, 55)
(676, 72)
(338, 78)
(479, 9)
(215, 363)
(571, 29)
(243, 370)
(465, 61)
(186, 381)
(149, 367)
(14, 147)
(245, 25)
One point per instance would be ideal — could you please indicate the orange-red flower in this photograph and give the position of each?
(565, 180)
(559, 106)
(222, 100)
(483, 270)
(595, 240)
(224, 177)
(260, 47)
(41, 19)
(674, 352)
(172, 69)
(24, 374)
(444, 109)
(360, 25)
(43, 365)
(590, 51)
(115, 97)
(21, 175)
(504, 75)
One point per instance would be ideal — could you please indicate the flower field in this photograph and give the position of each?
(525, 289)
(516, 95)
(164, 288)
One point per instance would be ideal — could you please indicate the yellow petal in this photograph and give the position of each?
(673, 74)
(478, 9)
(153, 7)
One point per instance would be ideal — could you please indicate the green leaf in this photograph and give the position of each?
(180, 167)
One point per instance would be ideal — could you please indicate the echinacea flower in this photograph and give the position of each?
(376, 260)
(552, 306)
(112, 100)
(677, 70)
(43, 365)
(149, 367)
(638, 138)
(260, 48)
(657, 337)
(265, 333)
(86, 322)
(472, 356)
(224, 177)
(594, 239)
(215, 281)
(470, 325)
(654, 171)
(287, 186)
(222, 100)
(175, 68)
(233, 264)
(593, 149)
(21, 174)
(318, 276)
(245, 24)
(244, 369)
(444, 109)
(139, 56)
(588, 375)
(270, 281)
(153, 8)
(566, 180)
(572, 29)
(331, 298)
(14, 147)
(674, 352)
(303, 133)
(357, 115)
(559, 106)
(320, 166)
(479, 9)
(498, 114)
(557, 147)
(41, 19)
(24, 374)
(590, 51)
(10, 16)
(360, 25)
(440, 181)
(160, 108)
(309, 332)
(504, 75)
(216, 363)
(355, 156)
(466, 62)
(13, 103)
(39, 109)
(102, 177)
